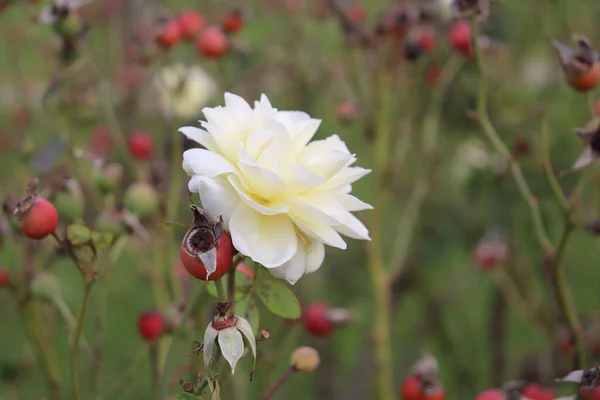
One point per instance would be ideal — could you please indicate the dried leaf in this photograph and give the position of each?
(246, 329)
(232, 346)
(210, 335)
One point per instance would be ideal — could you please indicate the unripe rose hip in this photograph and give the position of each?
(191, 22)
(142, 200)
(108, 178)
(151, 325)
(212, 42)
(37, 217)
(110, 221)
(69, 204)
(140, 146)
(305, 359)
(4, 278)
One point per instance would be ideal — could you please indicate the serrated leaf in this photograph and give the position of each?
(78, 234)
(279, 299)
(215, 390)
(247, 309)
(101, 240)
(171, 224)
(186, 396)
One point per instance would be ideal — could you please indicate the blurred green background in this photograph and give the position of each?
(443, 304)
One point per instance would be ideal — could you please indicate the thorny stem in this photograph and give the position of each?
(76, 337)
(379, 278)
(290, 371)
(490, 132)
(49, 366)
(190, 308)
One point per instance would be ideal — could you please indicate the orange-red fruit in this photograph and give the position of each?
(412, 389)
(195, 266)
(316, 320)
(426, 40)
(534, 391)
(436, 394)
(491, 394)
(191, 22)
(490, 254)
(212, 42)
(232, 22)
(357, 13)
(4, 279)
(459, 36)
(41, 219)
(246, 270)
(170, 35)
(590, 394)
(347, 110)
(597, 108)
(140, 146)
(151, 325)
(586, 81)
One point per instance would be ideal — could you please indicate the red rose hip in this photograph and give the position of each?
(534, 391)
(190, 22)
(195, 266)
(4, 278)
(37, 217)
(491, 394)
(232, 22)
(140, 146)
(412, 389)
(169, 36)
(459, 36)
(316, 320)
(212, 42)
(151, 325)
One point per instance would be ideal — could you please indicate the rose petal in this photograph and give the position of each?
(316, 255)
(261, 181)
(199, 136)
(206, 163)
(268, 239)
(217, 196)
(295, 268)
(353, 228)
(262, 206)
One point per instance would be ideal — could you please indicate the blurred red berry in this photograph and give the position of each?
(212, 42)
(246, 271)
(4, 279)
(140, 146)
(426, 40)
(587, 80)
(491, 394)
(194, 265)
(316, 320)
(433, 74)
(170, 35)
(39, 218)
(534, 391)
(357, 13)
(521, 147)
(347, 110)
(459, 36)
(100, 141)
(597, 108)
(590, 394)
(232, 22)
(490, 254)
(412, 388)
(151, 325)
(20, 117)
(191, 22)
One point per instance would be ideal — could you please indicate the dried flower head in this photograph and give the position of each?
(470, 8)
(590, 134)
(580, 67)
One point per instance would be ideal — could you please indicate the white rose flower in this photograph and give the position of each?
(183, 90)
(281, 197)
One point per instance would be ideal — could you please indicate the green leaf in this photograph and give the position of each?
(247, 309)
(171, 224)
(186, 396)
(78, 234)
(101, 240)
(196, 199)
(279, 299)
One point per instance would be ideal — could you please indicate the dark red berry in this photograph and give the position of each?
(521, 147)
(170, 35)
(232, 22)
(151, 325)
(347, 110)
(534, 391)
(194, 265)
(426, 40)
(316, 320)
(4, 278)
(412, 388)
(490, 254)
(140, 146)
(491, 394)
(212, 42)
(191, 22)
(38, 217)
(590, 394)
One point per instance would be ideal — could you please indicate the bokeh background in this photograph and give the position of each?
(300, 55)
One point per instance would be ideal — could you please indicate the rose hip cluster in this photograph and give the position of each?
(190, 25)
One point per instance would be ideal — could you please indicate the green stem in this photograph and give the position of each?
(154, 371)
(490, 132)
(76, 337)
(556, 189)
(69, 318)
(379, 279)
(190, 308)
(221, 289)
